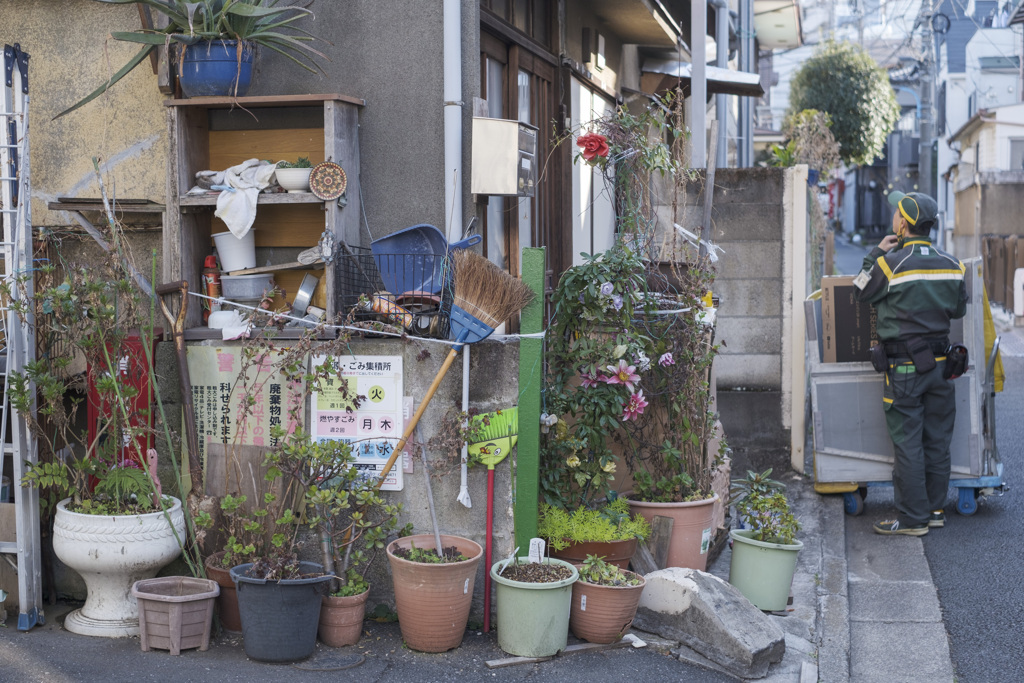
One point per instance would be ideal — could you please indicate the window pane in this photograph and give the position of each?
(540, 22)
(520, 18)
(524, 98)
(495, 93)
(500, 7)
(525, 203)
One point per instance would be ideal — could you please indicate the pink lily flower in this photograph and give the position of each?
(623, 374)
(634, 408)
(590, 381)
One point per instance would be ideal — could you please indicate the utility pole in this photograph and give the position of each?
(924, 168)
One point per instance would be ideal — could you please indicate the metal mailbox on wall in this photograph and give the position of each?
(504, 158)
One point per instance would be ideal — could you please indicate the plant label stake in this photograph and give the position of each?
(536, 550)
(508, 560)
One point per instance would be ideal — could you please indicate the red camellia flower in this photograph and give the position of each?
(594, 145)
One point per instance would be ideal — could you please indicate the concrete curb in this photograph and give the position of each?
(833, 595)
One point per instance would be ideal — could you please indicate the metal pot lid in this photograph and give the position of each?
(304, 295)
(327, 181)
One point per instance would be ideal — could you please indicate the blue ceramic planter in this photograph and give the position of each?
(210, 69)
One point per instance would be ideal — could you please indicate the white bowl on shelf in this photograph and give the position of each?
(293, 179)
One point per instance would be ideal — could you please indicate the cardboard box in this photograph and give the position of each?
(848, 327)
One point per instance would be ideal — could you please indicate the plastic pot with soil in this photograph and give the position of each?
(533, 601)
(604, 601)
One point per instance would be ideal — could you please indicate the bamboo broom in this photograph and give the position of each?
(485, 297)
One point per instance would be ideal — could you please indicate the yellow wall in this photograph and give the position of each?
(71, 53)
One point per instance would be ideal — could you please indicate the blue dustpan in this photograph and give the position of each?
(412, 260)
(466, 329)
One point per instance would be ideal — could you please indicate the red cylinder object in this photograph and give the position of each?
(211, 286)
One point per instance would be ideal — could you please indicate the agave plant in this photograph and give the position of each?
(259, 22)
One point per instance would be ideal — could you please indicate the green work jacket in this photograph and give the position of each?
(916, 290)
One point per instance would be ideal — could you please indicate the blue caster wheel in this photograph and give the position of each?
(967, 501)
(853, 503)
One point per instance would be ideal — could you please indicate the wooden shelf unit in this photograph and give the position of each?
(214, 133)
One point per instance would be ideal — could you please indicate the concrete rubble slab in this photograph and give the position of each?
(709, 616)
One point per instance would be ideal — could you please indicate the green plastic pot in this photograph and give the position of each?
(762, 571)
(533, 618)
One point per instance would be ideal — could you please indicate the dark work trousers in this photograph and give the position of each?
(920, 409)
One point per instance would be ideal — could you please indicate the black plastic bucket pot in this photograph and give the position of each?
(280, 618)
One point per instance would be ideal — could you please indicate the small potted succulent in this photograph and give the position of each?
(293, 176)
(764, 553)
(608, 532)
(604, 601)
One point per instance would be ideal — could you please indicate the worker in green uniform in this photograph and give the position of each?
(916, 290)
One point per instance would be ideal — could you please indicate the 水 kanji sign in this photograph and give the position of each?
(374, 427)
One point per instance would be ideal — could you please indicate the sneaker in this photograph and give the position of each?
(937, 519)
(892, 527)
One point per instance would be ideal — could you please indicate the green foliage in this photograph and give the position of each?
(257, 22)
(430, 556)
(754, 483)
(610, 523)
(302, 162)
(765, 510)
(842, 80)
(784, 156)
(598, 572)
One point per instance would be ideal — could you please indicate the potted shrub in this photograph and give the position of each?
(216, 42)
(631, 351)
(293, 176)
(764, 554)
(604, 601)
(533, 601)
(608, 532)
(433, 592)
(354, 522)
(279, 594)
(97, 485)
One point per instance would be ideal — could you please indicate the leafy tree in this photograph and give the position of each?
(842, 80)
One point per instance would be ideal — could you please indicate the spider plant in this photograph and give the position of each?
(259, 22)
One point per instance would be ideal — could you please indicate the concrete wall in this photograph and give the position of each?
(71, 55)
(758, 218)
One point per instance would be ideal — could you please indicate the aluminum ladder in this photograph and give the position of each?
(17, 336)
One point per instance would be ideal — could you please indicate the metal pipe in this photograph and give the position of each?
(722, 61)
(453, 117)
(698, 84)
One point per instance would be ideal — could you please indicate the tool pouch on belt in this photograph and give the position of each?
(920, 351)
(956, 361)
(879, 361)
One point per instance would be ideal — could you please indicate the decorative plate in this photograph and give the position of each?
(327, 180)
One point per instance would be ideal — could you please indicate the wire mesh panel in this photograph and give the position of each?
(411, 291)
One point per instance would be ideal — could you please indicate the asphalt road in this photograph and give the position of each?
(977, 562)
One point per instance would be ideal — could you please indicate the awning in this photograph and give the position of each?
(777, 24)
(659, 75)
(644, 22)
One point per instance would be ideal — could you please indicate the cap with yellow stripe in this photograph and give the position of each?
(917, 208)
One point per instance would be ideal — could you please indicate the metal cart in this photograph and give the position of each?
(852, 449)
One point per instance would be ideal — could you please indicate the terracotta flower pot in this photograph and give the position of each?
(618, 553)
(227, 601)
(603, 614)
(692, 529)
(433, 600)
(341, 619)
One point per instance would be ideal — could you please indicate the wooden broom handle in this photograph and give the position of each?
(416, 418)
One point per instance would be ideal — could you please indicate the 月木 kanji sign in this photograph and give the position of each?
(374, 427)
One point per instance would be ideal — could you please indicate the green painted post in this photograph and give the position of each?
(530, 379)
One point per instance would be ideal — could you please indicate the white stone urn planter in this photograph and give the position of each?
(112, 552)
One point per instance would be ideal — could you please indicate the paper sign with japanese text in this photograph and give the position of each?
(218, 386)
(374, 427)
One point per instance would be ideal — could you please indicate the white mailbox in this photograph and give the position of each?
(504, 158)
